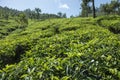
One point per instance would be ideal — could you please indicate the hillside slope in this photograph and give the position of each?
(60, 49)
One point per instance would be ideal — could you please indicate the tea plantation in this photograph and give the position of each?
(61, 49)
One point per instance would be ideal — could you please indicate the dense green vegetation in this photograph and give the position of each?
(60, 49)
(113, 7)
(8, 13)
(112, 23)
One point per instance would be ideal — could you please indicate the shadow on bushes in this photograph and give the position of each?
(11, 59)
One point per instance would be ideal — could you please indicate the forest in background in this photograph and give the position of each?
(87, 10)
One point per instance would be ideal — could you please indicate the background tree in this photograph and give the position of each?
(7, 13)
(71, 16)
(64, 15)
(112, 8)
(28, 13)
(59, 14)
(37, 11)
(85, 8)
(93, 4)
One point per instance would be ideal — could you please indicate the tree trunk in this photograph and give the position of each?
(93, 4)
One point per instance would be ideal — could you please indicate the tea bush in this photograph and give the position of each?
(110, 22)
(82, 50)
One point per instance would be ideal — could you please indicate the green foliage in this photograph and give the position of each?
(56, 29)
(61, 15)
(38, 11)
(111, 8)
(6, 27)
(82, 50)
(8, 13)
(110, 22)
(87, 9)
(22, 20)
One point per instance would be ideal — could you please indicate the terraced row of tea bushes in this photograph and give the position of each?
(81, 50)
(19, 41)
(7, 27)
(110, 22)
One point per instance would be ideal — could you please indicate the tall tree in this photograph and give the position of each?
(64, 15)
(85, 8)
(59, 14)
(112, 8)
(84, 12)
(93, 4)
(28, 12)
(38, 11)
